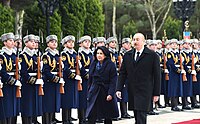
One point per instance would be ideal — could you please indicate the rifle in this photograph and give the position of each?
(18, 92)
(62, 91)
(164, 56)
(41, 92)
(181, 67)
(165, 65)
(119, 55)
(1, 92)
(78, 73)
(194, 78)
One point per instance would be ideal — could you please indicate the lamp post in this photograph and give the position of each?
(48, 7)
(184, 10)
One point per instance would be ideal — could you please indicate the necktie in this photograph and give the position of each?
(137, 57)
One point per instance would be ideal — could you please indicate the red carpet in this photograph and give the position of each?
(194, 121)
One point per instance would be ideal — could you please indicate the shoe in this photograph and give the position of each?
(177, 109)
(126, 116)
(73, 119)
(99, 121)
(186, 107)
(152, 113)
(167, 105)
(116, 119)
(195, 106)
(55, 121)
(36, 122)
(160, 106)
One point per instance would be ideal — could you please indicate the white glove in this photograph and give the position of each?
(18, 83)
(62, 81)
(183, 59)
(39, 81)
(63, 65)
(183, 71)
(195, 60)
(166, 71)
(41, 65)
(194, 72)
(1, 84)
(19, 66)
(78, 77)
(79, 63)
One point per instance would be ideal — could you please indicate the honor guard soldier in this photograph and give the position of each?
(152, 45)
(86, 58)
(175, 84)
(69, 99)
(111, 42)
(52, 98)
(187, 85)
(126, 46)
(161, 54)
(31, 101)
(195, 64)
(9, 102)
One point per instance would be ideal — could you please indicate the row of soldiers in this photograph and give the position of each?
(180, 65)
(32, 82)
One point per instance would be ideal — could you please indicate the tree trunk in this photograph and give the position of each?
(154, 31)
(114, 18)
(19, 21)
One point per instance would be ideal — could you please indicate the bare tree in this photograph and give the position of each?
(114, 18)
(157, 10)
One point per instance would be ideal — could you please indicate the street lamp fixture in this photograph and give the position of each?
(184, 10)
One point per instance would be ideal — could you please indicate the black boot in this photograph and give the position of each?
(35, 121)
(123, 109)
(66, 116)
(81, 116)
(26, 120)
(46, 118)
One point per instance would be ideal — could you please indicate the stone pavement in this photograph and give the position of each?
(166, 116)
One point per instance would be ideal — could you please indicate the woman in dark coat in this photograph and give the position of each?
(102, 102)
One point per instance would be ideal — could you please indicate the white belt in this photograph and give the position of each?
(87, 70)
(73, 70)
(198, 66)
(11, 73)
(54, 72)
(161, 65)
(177, 66)
(189, 66)
(32, 74)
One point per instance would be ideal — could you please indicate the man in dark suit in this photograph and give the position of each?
(141, 67)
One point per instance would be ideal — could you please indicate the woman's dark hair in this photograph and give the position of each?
(104, 50)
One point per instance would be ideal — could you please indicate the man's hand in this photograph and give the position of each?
(155, 98)
(119, 94)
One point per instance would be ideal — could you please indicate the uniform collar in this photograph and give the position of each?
(69, 50)
(52, 52)
(29, 51)
(112, 50)
(8, 51)
(87, 51)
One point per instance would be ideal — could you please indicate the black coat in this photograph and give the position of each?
(101, 84)
(143, 78)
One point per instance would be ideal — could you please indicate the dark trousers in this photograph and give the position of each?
(140, 117)
(7, 121)
(184, 101)
(193, 100)
(93, 116)
(123, 108)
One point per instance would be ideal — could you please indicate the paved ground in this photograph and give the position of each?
(166, 116)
